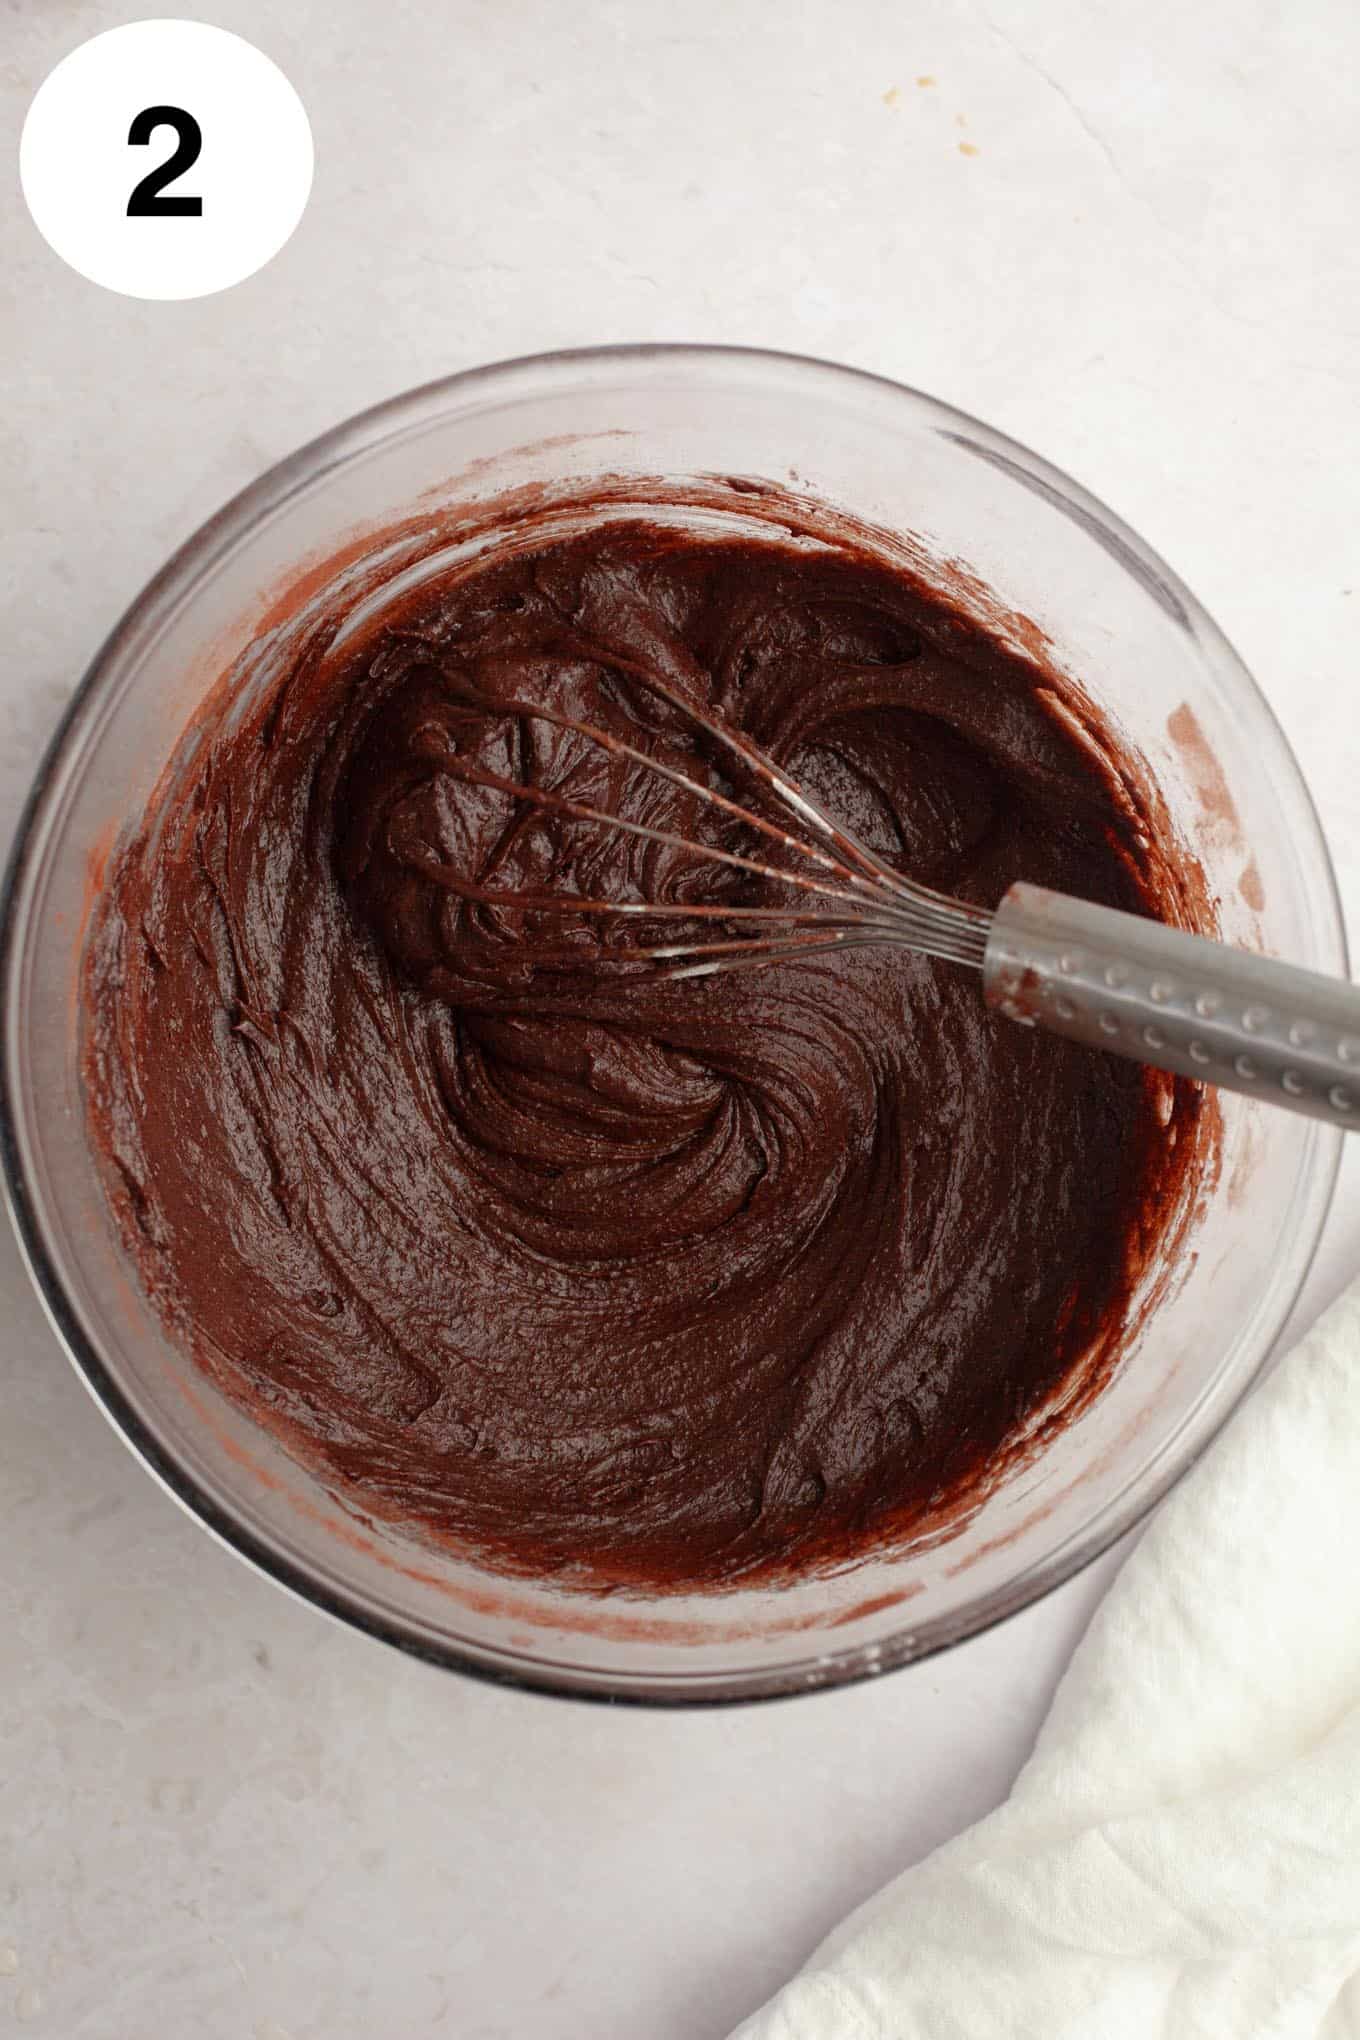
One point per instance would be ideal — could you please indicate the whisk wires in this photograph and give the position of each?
(849, 897)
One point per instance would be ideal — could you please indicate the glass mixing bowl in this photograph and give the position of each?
(1116, 616)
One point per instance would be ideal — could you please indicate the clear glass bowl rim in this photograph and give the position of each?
(174, 583)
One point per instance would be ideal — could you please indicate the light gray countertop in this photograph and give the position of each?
(220, 1816)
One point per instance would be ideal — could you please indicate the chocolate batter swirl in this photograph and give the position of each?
(635, 1281)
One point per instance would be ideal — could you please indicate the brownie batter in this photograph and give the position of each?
(628, 1280)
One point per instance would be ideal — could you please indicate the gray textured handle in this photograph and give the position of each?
(1177, 1001)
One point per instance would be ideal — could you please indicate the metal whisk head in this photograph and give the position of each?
(848, 896)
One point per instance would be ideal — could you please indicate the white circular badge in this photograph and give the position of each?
(166, 159)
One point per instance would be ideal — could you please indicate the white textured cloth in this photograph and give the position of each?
(1180, 1858)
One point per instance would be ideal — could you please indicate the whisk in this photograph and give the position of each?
(1112, 980)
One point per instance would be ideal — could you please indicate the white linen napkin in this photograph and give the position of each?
(1180, 1857)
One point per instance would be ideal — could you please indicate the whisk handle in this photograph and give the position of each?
(1176, 1001)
